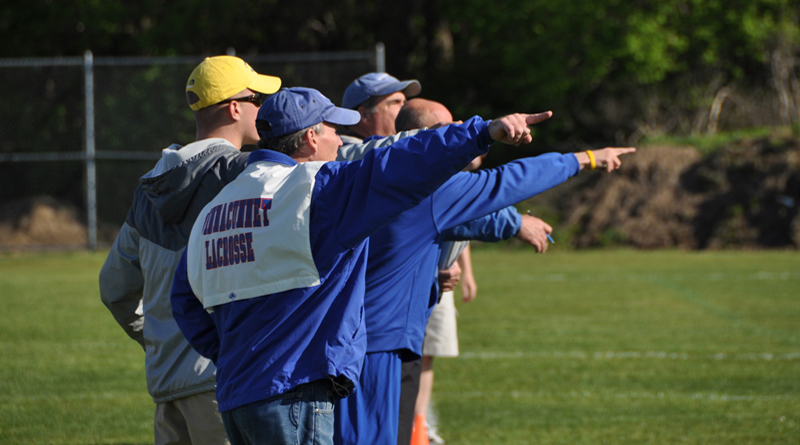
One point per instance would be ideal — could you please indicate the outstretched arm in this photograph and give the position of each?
(607, 158)
(467, 196)
(388, 181)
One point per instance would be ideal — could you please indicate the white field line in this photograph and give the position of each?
(716, 397)
(621, 355)
(63, 344)
(753, 276)
(66, 397)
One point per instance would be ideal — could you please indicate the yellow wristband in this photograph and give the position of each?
(592, 160)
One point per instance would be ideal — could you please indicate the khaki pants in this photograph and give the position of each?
(190, 420)
(441, 333)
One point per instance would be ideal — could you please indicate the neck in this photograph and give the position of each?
(305, 154)
(360, 130)
(224, 132)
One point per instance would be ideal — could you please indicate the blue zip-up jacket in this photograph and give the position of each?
(267, 345)
(401, 286)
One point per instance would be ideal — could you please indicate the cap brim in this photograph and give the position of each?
(265, 84)
(343, 116)
(410, 88)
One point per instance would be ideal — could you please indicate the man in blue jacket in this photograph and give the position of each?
(401, 275)
(379, 99)
(441, 338)
(271, 286)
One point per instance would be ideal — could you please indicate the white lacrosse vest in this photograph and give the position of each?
(253, 238)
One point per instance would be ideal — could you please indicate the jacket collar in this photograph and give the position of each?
(270, 156)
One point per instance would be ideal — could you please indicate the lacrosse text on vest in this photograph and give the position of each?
(234, 248)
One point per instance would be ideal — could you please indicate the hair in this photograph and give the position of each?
(289, 144)
(410, 118)
(370, 105)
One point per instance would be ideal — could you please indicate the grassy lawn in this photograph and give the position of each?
(626, 347)
(70, 375)
(595, 347)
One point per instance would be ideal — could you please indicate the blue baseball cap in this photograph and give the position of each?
(293, 109)
(377, 84)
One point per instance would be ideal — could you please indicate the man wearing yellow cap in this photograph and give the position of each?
(225, 93)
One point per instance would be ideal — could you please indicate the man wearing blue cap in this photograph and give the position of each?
(271, 285)
(378, 97)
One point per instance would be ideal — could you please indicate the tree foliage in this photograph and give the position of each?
(610, 69)
(612, 65)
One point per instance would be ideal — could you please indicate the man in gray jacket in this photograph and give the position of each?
(378, 97)
(224, 92)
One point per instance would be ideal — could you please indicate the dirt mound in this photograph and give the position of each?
(643, 205)
(40, 221)
(744, 195)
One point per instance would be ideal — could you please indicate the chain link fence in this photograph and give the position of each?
(79, 132)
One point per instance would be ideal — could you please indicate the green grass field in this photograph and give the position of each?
(614, 347)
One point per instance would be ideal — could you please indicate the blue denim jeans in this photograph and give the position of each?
(303, 415)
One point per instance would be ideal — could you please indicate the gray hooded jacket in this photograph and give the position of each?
(136, 279)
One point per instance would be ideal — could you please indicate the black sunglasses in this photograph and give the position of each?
(256, 98)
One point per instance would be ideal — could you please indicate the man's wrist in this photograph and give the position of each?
(583, 159)
(485, 137)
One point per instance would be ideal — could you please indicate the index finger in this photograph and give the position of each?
(531, 119)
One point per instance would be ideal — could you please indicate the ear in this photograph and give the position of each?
(234, 110)
(311, 140)
(365, 117)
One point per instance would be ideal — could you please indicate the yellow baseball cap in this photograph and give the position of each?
(219, 78)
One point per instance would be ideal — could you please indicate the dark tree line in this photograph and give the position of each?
(612, 70)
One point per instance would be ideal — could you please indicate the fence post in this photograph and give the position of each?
(89, 158)
(380, 57)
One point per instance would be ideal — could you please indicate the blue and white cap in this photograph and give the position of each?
(377, 84)
(293, 109)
